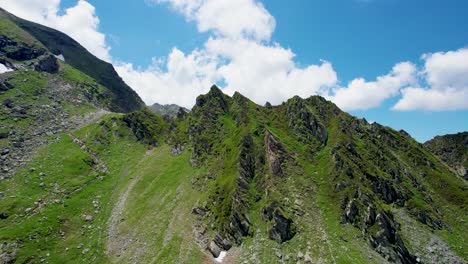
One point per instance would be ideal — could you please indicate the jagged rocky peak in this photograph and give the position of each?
(239, 97)
(306, 125)
(214, 98)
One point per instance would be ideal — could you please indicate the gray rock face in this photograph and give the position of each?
(214, 249)
(389, 243)
(275, 154)
(282, 229)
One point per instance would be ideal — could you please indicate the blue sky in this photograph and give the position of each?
(357, 38)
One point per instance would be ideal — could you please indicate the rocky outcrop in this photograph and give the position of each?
(275, 154)
(388, 192)
(203, 122)
(239, 109)
(352, 211)
(305, 125)
(19, 51)
(219, 244)
(239, 221)
(5, 85)
(380, 226)
(388, 242)
(48, 64)
(282, 229)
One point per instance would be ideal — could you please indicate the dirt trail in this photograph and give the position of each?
(116, 243)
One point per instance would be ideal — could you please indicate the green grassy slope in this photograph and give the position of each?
(122, 97)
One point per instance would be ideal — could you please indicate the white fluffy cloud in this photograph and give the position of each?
(360, 94)
(267, 72)
(446, 77)
(80, 21)
(187, 76)
(233, 19)
(238, 55)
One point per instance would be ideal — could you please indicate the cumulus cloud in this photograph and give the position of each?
(261, 72)
(268, 72)
(187, 76)
(362, 95)
(233, 19)
(80, 21)
(238, 55)
(446, 77)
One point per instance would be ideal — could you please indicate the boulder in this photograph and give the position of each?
(214, 249)
(48, 64)
(8, 253)
(282, 229)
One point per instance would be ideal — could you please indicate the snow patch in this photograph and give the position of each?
(4, 68)
(221, 256)
(60, 57)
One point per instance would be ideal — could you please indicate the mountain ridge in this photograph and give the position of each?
(124, 98)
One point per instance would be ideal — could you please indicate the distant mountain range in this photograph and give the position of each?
(452, 149)
(169, 110)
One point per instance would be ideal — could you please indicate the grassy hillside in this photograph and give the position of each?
(122, 97)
